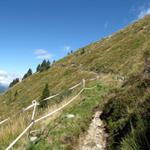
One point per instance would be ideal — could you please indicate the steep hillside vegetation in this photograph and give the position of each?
(120, 53)
(127, 113)
(116, 59)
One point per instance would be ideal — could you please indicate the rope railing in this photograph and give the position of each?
(75, 86)
(32, 105)
(34, 109)
(4, 121)
(35, 104)
(48, 98)
(19, 137)
(29, 126)
(23, 110)
(90, 88)
(51, 113)
(29, 107)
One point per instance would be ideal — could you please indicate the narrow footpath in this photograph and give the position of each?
(96, 137)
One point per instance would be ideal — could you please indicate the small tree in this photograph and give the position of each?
(29, 73)
(48, 64)
(45, 94)
(15, 81)
(38, 68)
(45, 65)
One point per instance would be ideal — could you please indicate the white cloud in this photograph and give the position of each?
(67, 48)
(42, 54)
(6, 78)
(143, 11)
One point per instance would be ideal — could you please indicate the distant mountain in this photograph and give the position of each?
(2, 88)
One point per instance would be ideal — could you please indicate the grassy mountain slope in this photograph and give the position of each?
(121, 53)
(58, 79)
(119, 56)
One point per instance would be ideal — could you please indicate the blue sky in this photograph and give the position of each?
(31, 30)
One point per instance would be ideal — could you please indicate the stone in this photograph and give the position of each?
(70, 116)
(33, 138)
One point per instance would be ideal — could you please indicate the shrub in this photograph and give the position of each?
(82, 51)
(127, 115)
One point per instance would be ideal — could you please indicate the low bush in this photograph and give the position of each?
(127, 115)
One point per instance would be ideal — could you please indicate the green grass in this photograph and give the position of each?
(63, 133)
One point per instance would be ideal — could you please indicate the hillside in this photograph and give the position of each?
(120, 53)
(115, 59)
